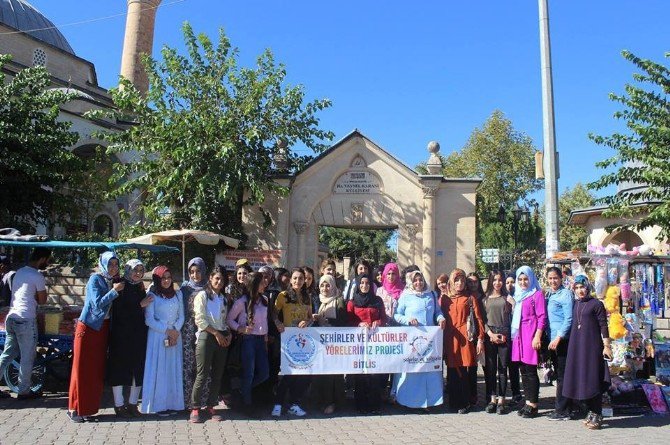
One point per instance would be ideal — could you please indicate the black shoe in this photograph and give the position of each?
(122, 412)
(502, 409)
(530, 413)
(491, 408)
(29, 396)
(133, 410)
(557, 415)
(595, 423)
(465, 410)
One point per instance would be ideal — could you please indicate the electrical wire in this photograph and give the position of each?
(83, 22)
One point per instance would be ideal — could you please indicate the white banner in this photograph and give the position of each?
(361, 350)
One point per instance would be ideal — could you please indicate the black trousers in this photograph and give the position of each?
(497, 360)
(530, 381)
(293, 385)
(459, 386)
(558, 358)
(367, 391)
(595, 404)
(514, 377)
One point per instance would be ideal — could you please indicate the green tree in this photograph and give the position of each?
(578, 197)
(204, 135)
(357, 243)
(643, 153)
(504, 159)
(38, 173)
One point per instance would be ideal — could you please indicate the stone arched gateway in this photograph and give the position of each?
(357, 184)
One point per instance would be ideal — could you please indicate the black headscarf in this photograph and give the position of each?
(367, 299)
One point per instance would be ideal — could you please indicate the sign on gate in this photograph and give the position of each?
(490, 256)
(361, 350)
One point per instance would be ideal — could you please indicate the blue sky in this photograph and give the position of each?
(405, 74)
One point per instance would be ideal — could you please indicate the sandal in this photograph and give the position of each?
(195, 417)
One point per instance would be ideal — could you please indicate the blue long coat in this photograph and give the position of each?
(420, 389)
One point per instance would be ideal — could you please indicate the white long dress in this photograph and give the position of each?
(163, 387)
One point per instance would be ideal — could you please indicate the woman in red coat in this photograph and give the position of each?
(366, 310)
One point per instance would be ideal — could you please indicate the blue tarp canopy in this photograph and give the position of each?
(100, 245)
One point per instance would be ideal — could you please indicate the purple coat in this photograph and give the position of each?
(533, 317)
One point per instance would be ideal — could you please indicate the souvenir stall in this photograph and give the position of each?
(633, 286)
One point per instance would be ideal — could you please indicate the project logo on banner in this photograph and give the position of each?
(361, 350)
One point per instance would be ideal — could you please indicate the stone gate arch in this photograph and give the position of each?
(357, 184)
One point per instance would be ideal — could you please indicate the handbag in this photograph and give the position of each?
(234, 359)
(471, 323)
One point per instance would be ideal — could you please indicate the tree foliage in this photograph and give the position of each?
(504, 159)
(358, 243)
(642, 153)
(578, 197)
(205, 134)
(40, 178)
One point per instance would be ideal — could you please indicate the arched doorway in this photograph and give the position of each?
(357, 184)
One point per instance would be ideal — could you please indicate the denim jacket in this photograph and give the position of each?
(99, 298)
(559, 310)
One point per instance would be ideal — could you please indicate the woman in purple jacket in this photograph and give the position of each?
(528, 321)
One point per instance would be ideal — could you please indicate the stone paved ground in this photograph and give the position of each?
(44, 422)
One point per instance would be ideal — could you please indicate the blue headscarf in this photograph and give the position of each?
(520, 295)
(103, 262)
(584, 281)
(200, 264)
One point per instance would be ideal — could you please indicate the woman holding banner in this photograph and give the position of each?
(332, 311)
(366, 310)
(294, 309)
(417, 306)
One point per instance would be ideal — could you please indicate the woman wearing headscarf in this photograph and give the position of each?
(128, 340)
(514, 376)
(417, 306)
(586, 373)
(529, 319)
(90, 339)
(389, 291)
(366, 310)
(197, 274)
(460, 354)
(332, 312)
(163, 389)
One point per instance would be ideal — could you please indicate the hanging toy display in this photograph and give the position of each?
(612, 265)
(601, 279)
(660, 290)
(624, 287)
(651, 289)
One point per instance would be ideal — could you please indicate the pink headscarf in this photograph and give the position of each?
(392, 288)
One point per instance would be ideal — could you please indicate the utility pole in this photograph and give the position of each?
(550, 166)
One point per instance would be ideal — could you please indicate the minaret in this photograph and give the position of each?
(139, 40)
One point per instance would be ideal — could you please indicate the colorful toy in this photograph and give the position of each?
(616, 326)
(601, 282)
(624, 287)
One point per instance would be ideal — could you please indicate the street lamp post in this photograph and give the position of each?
(519, 214)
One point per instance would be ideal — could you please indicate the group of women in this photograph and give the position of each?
(185, 348)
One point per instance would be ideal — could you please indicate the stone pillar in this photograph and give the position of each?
(429, 232)
(300, 230)
(138, 40)
(411, 230)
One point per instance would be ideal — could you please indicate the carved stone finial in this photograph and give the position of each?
(434, 164)
(429, 192)
(280, 157)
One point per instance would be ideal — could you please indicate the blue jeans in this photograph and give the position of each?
(21, 340)
(255, 367)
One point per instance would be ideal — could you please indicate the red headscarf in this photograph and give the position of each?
(158, 289)
(392, 288)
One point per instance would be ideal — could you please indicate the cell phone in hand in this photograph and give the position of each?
(607, 357)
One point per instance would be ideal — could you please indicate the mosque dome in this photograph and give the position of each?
(22, 16)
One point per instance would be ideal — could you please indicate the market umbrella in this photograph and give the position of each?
(184, 236)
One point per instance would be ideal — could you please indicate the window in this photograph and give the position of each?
(103, 225)
(39, 57)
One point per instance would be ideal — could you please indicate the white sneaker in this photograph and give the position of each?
(276, 411)
(296, 411)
